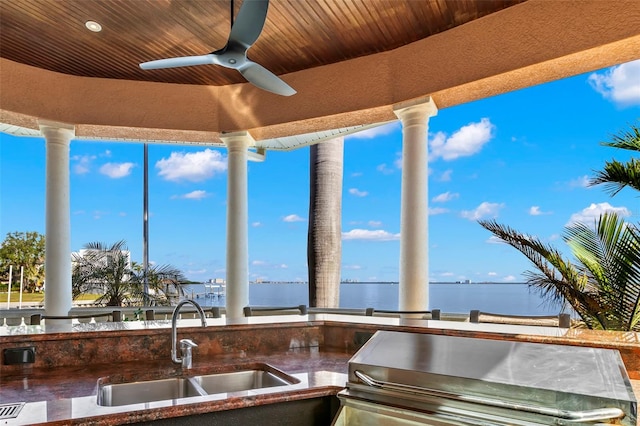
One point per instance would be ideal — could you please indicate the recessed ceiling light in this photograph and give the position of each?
(93, 26)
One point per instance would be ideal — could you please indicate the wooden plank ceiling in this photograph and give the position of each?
(298, 34)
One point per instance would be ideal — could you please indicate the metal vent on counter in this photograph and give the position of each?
(10, 411)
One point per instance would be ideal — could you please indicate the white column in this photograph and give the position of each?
(237, 295)
(57, 298)
(414, 214)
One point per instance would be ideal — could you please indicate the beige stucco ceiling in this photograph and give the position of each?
(521, 45)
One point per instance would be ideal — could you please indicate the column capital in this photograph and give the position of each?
(54, 128)
(242, 136)
(423, 106)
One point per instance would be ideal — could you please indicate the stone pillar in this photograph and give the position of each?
(414, 214)
(237, 293)
(57, 297)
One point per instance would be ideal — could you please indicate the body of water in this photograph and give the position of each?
(510, 299)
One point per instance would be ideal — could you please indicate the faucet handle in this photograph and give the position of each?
(187, 343)
(185, 347)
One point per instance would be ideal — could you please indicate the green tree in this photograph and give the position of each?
(165, 283)
(107, 270)
(24, 249)
(615, 174)
(603, 286)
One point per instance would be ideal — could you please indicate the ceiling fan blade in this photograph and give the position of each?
(261, 77)
(249, 22)
(185, 61)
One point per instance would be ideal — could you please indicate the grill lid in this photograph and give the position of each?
(564, 382)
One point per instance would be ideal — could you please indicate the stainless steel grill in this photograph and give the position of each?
(407, 378)
(10, 411)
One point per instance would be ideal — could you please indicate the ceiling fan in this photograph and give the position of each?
(244, 33)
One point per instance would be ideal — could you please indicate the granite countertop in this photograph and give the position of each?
(67, 395)
(61, 387)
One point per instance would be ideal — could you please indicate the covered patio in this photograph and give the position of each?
(353, 64)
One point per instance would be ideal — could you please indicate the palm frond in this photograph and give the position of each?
(604, 287)
(616, 176)
(610, 254)
(557, 279)
(629, 139)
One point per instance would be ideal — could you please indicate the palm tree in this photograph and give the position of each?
(603, 287)
(324, 238)
(164, 281)
(108, 270)
(616, 175)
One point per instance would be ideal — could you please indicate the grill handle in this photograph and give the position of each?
(567, 415)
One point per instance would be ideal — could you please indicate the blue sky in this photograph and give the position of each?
(522, 158)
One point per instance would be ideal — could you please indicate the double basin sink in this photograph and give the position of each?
(255, 377)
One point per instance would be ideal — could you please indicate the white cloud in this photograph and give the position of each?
(352, 267)
(398, 161)
(256, 224)
(588, 215)
(446, 176)
(384, 169)
(465, 142)
(194, 167)
(620, 84)
(509, 278)
(366, 234)
(357, 192)
(494, 240)
(356, 174)
(375, 223)
(445, 196)
(485, 209)
(292, 218)
(122, 214)
(117, 170)
(198, 194)
(535, 211)
(447, 274)
(97, 214)
(83, 163)
(374, 132)
(579, 182)
(265, 264)
(492, 274)
(437, 210)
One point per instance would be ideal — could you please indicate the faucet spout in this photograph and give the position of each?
(184, 360)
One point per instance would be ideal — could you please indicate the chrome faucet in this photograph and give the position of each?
(185, 344)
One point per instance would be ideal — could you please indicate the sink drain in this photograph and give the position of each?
(10, 411)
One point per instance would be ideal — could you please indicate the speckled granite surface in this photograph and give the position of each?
(60, 387)
(67, 395)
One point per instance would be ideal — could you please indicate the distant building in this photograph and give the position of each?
(78, 256)
(92, 258)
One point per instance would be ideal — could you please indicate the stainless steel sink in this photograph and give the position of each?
(242, 380)
(139, 392)
(262, 376)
